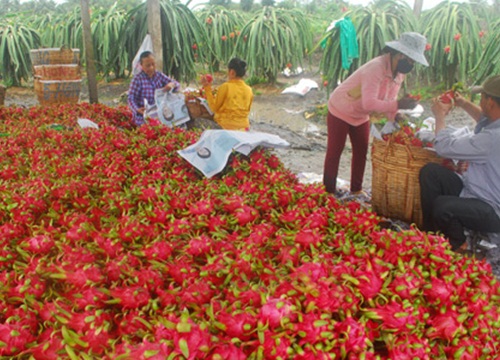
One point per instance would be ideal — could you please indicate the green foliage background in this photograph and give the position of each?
(267, 37)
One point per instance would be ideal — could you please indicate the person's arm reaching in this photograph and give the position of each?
(373, 78)
(169, 84)
(369, 92)
(440, 110)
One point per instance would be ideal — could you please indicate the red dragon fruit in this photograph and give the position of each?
(445, 325)
(275, 311)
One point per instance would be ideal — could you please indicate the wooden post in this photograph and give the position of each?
(89, 52)
(154, 29)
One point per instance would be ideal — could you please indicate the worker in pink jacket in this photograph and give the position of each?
(372, 89)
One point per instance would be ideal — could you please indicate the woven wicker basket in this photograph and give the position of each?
(3, 89)
(57, 91)
(395, 184)
(197, 110)
(55, 56)
(57, 72)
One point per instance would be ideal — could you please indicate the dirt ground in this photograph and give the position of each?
(297, 119)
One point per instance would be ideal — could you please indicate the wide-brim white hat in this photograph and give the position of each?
(411, 44)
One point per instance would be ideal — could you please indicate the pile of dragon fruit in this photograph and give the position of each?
(113, 247)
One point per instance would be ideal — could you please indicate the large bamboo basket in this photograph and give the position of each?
(57, 72)
(57, 91)
(395, 184)
(55, 56)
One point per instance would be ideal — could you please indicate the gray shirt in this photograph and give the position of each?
(482, 151)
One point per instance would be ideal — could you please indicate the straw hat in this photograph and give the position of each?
(411, 44)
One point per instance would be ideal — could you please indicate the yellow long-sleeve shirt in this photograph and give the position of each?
(231, 105)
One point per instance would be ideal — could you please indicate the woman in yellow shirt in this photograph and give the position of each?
(231, 105)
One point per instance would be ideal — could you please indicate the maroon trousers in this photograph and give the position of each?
(337, 134)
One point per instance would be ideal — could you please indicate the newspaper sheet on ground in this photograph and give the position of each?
(211, 152)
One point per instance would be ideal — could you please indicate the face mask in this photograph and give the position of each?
(404, 66)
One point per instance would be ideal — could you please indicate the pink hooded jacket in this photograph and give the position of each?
(370, 89)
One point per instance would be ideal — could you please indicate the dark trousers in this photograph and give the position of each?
(443, 210)
(337, 135)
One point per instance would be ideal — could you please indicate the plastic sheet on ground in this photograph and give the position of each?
(86, 123)
(309, 178)
(491, 241)
(211, 152)
(487, 244)
(292, 72)
(313, 178)
(302, 88)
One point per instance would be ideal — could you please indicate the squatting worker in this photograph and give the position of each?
(373, 88)
(231, 105)
(452, 202)
(144, 84)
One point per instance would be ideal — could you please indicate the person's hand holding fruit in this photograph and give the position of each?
(452, 95)
(459, 99)
(447, 97)
(440, 109)
(206, 80)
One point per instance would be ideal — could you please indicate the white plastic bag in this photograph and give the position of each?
(86, 123)
(302, 88)
(150, 111)
(147, 45)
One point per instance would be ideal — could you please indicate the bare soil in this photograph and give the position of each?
(298, 119)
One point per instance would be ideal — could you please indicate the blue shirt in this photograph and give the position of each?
(143, 87)
(482, 151)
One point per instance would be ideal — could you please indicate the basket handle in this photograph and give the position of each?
(390, 144)
(388, 147)
(407, 148)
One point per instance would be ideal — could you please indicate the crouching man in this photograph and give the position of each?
(452, 202)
